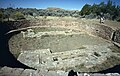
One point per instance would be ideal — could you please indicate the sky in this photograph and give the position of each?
(65, 4)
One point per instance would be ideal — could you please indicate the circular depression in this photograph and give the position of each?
(63, 49)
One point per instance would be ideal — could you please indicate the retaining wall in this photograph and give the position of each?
(100, 30)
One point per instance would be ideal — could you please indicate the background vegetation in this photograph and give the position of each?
(110, 11)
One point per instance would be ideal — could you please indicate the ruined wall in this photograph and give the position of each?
(7, 71)
(98, 30)
(116, 36)
(102, 31)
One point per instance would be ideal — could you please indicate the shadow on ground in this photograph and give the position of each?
(6, 57)
(115, 69)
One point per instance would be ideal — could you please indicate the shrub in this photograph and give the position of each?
(18, 16)
(85, 10)
(1, 16)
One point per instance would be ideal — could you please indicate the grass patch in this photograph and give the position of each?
(16, 54)
(82, 47)
(43, 29)
(43, 36)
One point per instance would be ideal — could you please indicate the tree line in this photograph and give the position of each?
(110, 11)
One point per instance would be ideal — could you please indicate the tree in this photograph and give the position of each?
(8, 12)
(102, 7)
(94, 8)
(110, 10)
(86, 9)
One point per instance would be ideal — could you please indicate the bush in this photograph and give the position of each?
(1, 16)
(18, 16)
(86, 10)
(110, 10)
(91, 16)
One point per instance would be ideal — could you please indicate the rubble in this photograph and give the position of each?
(8, 71)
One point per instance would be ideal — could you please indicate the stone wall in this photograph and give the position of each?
(98, 30)
(116, 36)
(7, 71)
(94, 29)
(102, 31)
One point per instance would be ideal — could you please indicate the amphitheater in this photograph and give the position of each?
(55, 46)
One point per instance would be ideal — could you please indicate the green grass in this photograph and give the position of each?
(17, 54)
(82, 47)
(43, 36)
(43, 29)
